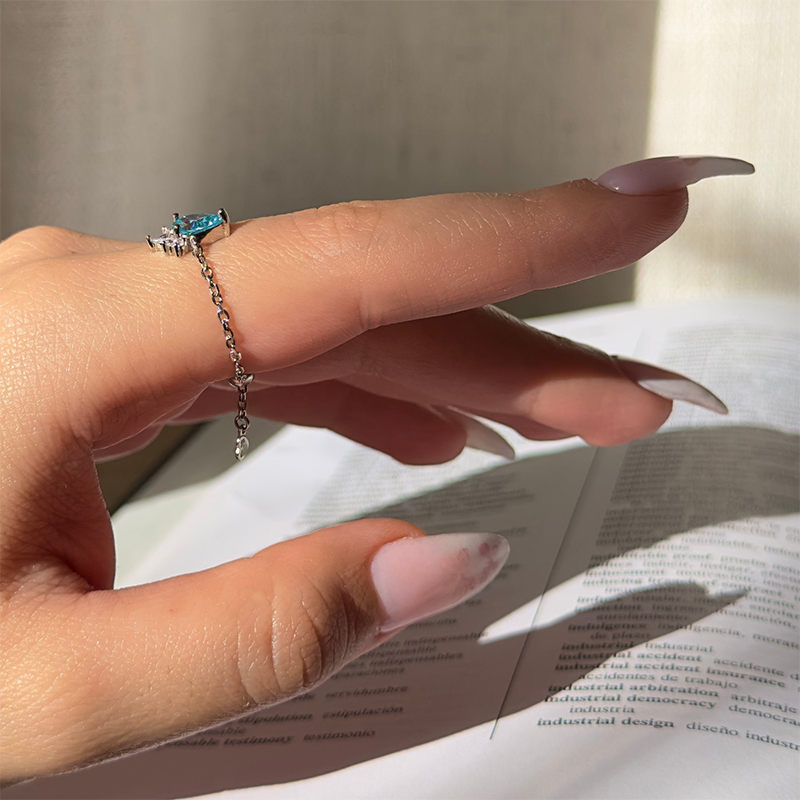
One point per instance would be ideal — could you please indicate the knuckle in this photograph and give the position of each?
(38, 233)
(344, 242)
(344, 229)
(357, 219)
(41, 241)
(309, 636)
(304, 641)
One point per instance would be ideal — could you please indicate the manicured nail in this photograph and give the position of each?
(671, 385)
(480, 436)
(417, 578)
(669, 173)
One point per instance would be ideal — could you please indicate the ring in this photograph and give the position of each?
(175, 240)
(186, 235)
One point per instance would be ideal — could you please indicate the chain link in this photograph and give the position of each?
(240, 379)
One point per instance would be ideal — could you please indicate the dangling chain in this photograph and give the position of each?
(240, 379)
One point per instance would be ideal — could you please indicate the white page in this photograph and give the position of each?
(454, 766)
(697, 516)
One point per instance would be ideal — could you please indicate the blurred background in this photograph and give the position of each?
(115, 114)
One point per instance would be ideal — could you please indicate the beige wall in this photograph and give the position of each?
(725, 81)
(115, 114)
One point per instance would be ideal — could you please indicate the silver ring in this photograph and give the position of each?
(176, 240)
(187, 234)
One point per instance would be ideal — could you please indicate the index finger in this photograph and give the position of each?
(299, 284)
(399, 260)
(438, 255)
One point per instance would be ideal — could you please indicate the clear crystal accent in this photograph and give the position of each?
(169, 239)
(242, 446)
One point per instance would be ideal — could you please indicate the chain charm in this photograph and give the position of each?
(240, 379)
(185, 235)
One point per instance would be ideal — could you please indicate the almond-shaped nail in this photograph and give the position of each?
(480, 436)
(671, 385)
(417, 578)
(670, 173)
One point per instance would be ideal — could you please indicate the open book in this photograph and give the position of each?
(641, 640)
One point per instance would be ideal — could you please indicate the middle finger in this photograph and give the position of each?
(493, 364)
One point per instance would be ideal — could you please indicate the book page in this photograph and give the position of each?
(648, 589)
(695, 527)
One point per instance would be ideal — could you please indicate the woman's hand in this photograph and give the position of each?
(368, 318)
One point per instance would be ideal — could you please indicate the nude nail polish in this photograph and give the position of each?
(480, 436)
(417, 578)
(671, 385)
(669, 173)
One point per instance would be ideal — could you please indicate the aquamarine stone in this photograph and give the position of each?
(193, 224)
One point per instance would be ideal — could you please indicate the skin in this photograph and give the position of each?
(361, 317)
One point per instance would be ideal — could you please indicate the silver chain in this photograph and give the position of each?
(240, 379)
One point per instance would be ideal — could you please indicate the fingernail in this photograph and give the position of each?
(480, 436)
(669, 173)
(417, 578)
(671, 385)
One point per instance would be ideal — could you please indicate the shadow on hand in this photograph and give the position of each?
(438, 677)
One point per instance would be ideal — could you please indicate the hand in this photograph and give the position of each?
(366, 318)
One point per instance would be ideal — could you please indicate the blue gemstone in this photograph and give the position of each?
(193, 224)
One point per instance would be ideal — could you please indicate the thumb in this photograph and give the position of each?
(157, 661)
